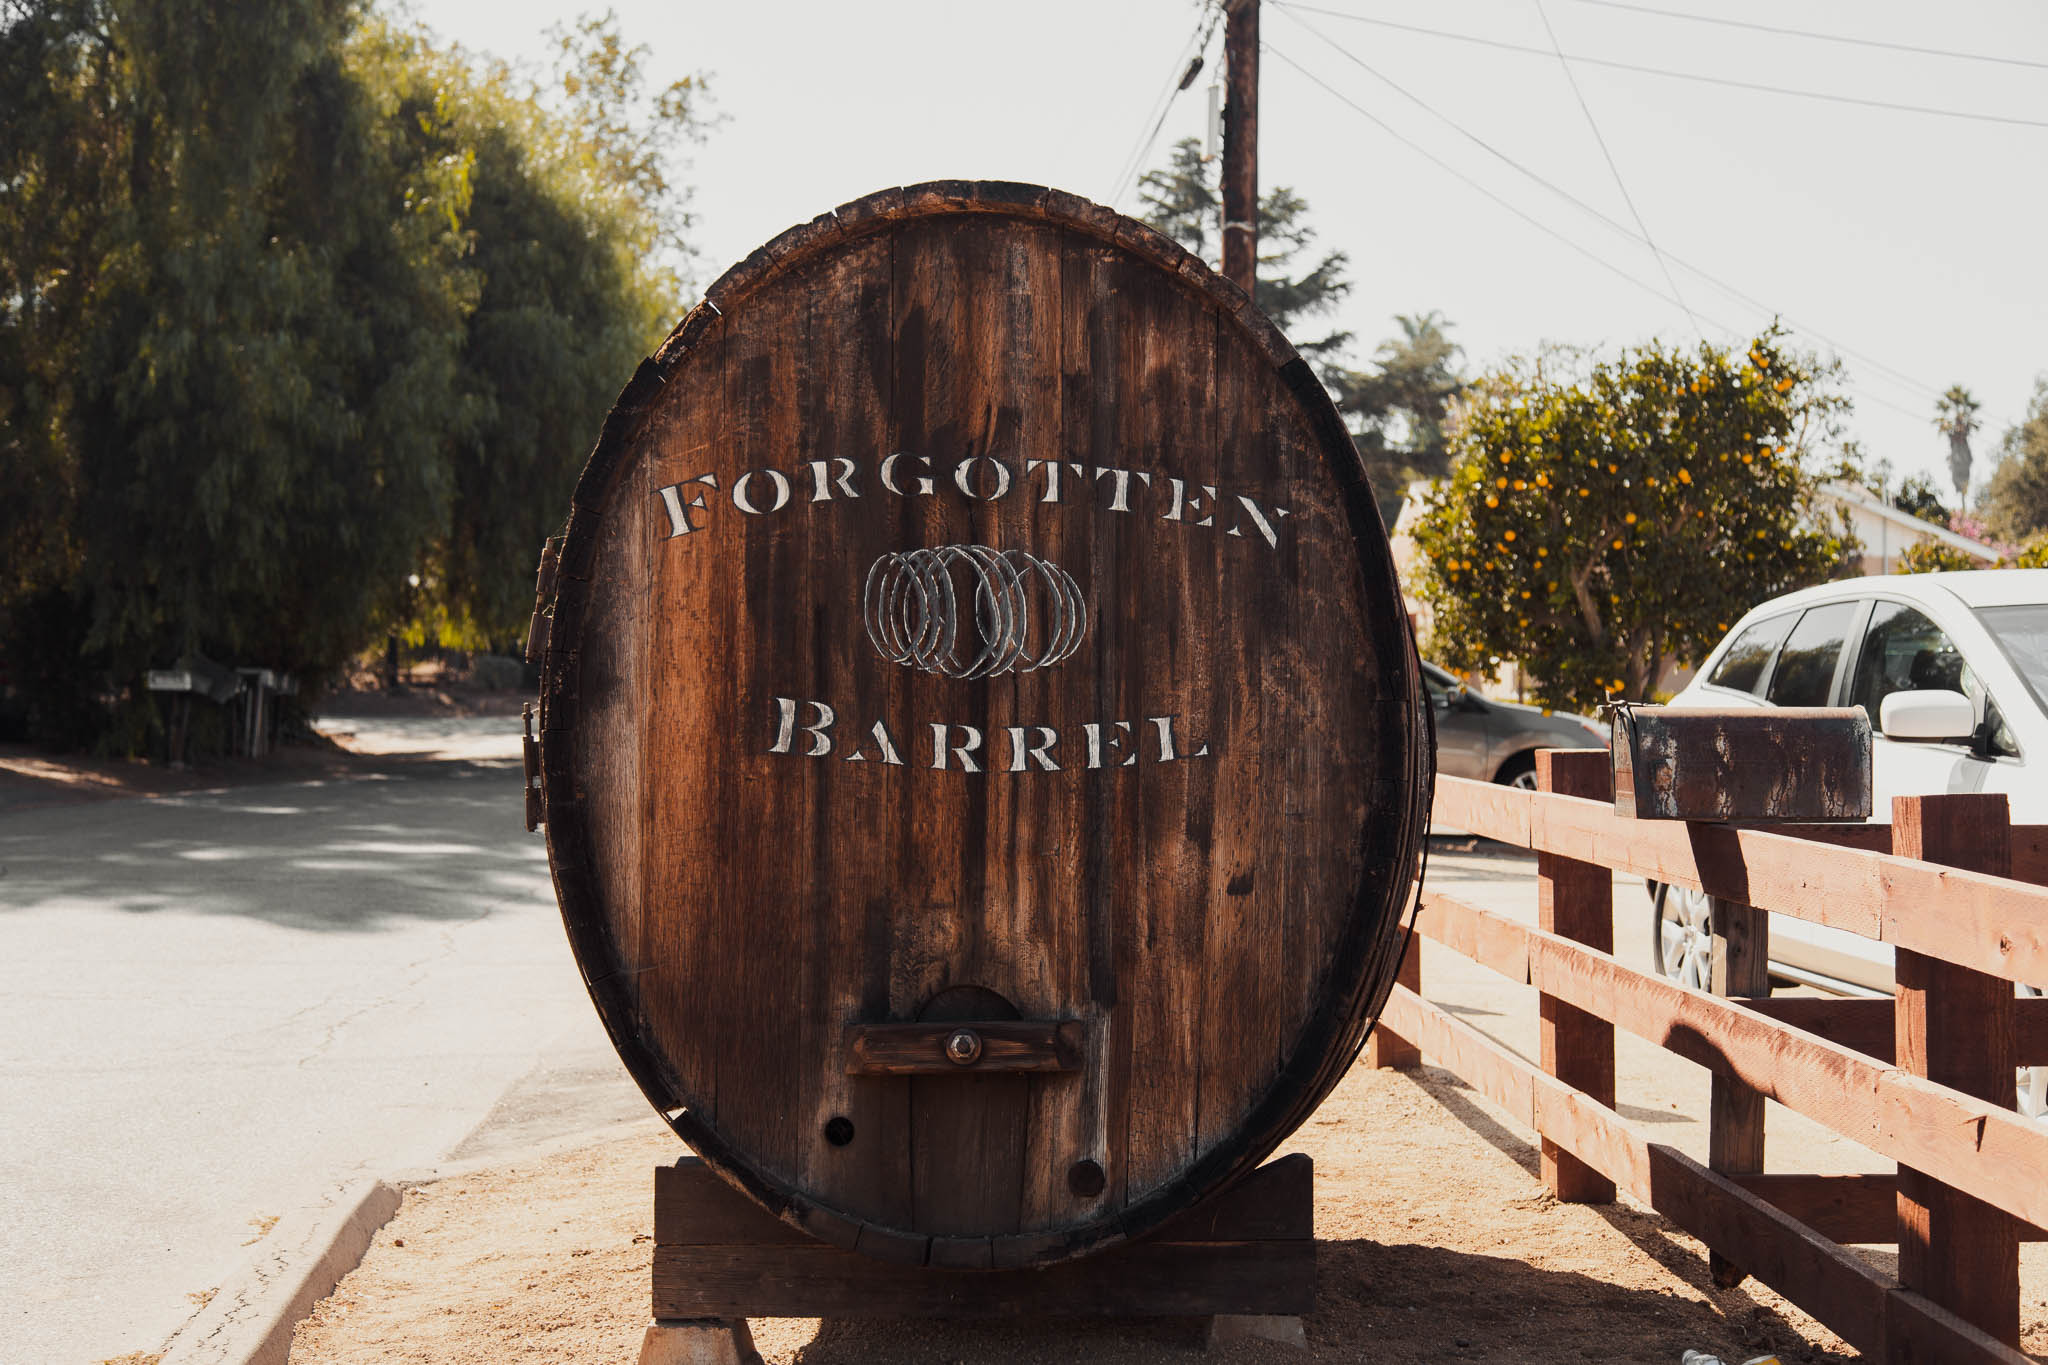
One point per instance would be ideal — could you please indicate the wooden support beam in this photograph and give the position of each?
(1575, 900)
(1249, 1250)
(1978, 1145)
(1384, 1047)
(1735, 1109)
(1955, 1027)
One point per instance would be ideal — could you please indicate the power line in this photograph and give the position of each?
(1590, 254)
(1183, 71)
(1453, 171)
(1728, 81)
(1818, 37)
(1748, 300)
(1615, 171)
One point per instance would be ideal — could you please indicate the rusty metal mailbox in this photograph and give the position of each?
(1750, 765)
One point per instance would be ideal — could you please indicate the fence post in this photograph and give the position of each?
(1575, 900)
(1735, 1110)
(1384, 1047)
(1954, 1026)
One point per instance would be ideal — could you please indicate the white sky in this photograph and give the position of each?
(1917, 244)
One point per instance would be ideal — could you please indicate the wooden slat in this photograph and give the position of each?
(1249, 1250)
(1993, 924)
(1836, 1286)
(1152, 1279)
(1954, 1026)
(1971, 1143)
(1575, 900)
(2029, 844)
(1484, 808)
(1866, 1025)
(1488, 940)
(1384, 1047)
(1846, 1208)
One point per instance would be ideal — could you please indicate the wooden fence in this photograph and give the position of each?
(1926, 1079)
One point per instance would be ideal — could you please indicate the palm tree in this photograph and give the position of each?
(1955, 413)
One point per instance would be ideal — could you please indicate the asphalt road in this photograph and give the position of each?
(214, 1006)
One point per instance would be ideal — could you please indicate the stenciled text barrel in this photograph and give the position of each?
(982, 748)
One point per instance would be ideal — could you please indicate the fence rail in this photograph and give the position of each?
(1925, 1079)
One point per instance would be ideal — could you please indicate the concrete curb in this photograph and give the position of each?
(250, 1320)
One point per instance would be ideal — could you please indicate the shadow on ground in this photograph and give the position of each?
(403, 837)
(1378, 1303)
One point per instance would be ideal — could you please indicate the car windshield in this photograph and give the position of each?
(2022, 632)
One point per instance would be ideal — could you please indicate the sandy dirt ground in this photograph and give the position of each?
(1437, 1243)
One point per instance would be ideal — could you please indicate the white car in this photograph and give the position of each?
(1953, 670)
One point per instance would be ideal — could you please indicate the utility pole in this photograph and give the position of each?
(1241, 143)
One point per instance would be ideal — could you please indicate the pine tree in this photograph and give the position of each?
(1395, 409)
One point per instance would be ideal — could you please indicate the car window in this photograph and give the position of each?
(2022, 632)
(1806, 665)
(1904, 651)
(1742, 667)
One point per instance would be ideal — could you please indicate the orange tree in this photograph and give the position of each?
(1599, 518)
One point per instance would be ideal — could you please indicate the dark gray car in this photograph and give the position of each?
(1496, 741)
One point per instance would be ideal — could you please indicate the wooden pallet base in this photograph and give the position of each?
(1248, 1252)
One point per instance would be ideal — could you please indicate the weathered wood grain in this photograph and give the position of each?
(1955, 1026)
(1780, 763)
(1191, 835)
(1735, 1109)
(1575, 900)
(1249, 1250)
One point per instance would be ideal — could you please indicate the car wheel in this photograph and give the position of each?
(1518, 772)
(1682, 935)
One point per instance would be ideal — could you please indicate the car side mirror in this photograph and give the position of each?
(1935, 713)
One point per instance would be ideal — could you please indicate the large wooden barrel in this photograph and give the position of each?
(983, 750)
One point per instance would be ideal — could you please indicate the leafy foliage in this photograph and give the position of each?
(1934, 556)
(292, 309)
(1395, 410)
(1599, 517)
(2015, 500)
(1917, 497)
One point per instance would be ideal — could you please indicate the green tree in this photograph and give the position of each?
(574, 231)
(293, 309)
(2015, 499)
(1917, 497)
(253, 333)
(1601, 517)
(1400, 406)
(1933, 556)
(1396, 409)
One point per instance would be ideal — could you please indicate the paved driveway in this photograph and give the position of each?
(214, 1006)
